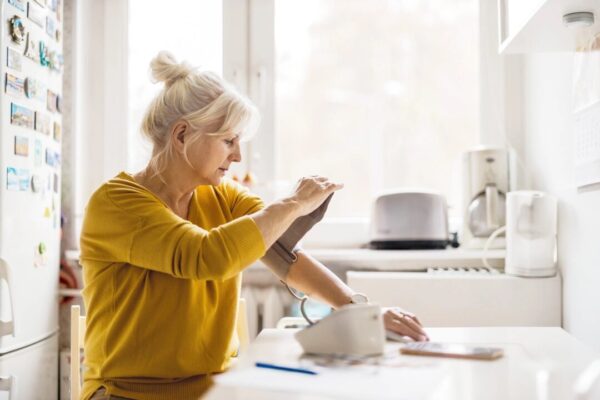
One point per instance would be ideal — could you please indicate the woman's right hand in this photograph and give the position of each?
(310, 192)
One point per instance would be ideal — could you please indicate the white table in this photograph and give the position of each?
(539, 363)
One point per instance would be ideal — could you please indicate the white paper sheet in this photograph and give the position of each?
(357, 382)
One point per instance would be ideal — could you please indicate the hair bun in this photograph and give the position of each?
(165, 68)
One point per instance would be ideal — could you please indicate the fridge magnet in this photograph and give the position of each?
(18, 4)
(51, 100)
(21, 116)
(13, 59)
(55, 181)
(55, 60)
(34, 89)
(47, 212)
(36, 183)
(23, 177)
(51, 4)
(16, 29)
(40, 256)
(15, 86)
(22, 146)
(57, 132)
(57, 35)
(31, 50)
(59, 103)
(37, 153)
(50, 27)
(43, 123)
(12, 181)
(44, 59)
(50, 158)
(35, 14)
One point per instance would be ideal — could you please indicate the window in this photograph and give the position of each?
(191, 30)
(377, 94)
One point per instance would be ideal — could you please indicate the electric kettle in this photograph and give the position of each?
(531, 228)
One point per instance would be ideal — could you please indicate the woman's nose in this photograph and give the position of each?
(236, 156)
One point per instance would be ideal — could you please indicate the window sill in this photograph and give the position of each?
(406, 260)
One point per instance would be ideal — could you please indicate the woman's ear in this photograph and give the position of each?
(178, 132)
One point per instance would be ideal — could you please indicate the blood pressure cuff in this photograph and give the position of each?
(280, 257)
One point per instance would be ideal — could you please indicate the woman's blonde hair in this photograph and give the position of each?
(202, 99)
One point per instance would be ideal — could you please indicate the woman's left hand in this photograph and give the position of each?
(405, 323)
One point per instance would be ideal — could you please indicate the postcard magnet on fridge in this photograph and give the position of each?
(35, 14)
(51, 100)
(23, 177)
(43, 123)
(51, 27)
(14, 86)
(21, 146)
(18, 4)
(31, 49)
(57, 132)
(12, 181)
(34, 89)
(36, 183)
(13, 59)
(21, 116)
(37, 153)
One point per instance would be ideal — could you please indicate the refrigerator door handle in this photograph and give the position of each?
(6, 385)
(7, 327)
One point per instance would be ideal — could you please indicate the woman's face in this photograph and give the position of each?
(211, 156)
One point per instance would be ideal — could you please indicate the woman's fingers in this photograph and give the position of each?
(404, 329)
(400, 326)
(331, 187)
(404, 324)
(311, 191)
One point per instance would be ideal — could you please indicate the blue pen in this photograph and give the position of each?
(283, 368)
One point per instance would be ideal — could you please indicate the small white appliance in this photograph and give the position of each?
(352, 330)
(409, 219)
(486, 180)
(531, 227)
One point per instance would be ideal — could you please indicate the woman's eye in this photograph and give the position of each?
(229, 142)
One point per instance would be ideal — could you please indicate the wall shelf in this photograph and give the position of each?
(532, 26)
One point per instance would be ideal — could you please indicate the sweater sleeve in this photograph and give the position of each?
(169, 244)
(241, 200)
(159, 240)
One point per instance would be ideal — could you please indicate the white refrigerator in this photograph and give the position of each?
(30, 148)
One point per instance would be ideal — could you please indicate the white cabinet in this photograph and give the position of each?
(465, 297)
(529, 26)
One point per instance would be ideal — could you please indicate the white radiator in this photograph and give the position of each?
(265, 306)
(455, 297)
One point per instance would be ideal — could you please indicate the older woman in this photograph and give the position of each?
(162, 249)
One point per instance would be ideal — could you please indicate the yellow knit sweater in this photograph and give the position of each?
(161, 292)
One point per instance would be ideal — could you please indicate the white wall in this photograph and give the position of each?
(100, 109)
(548, 153)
